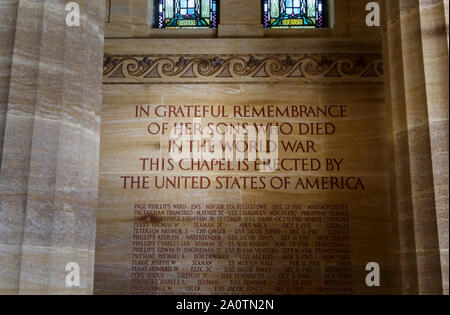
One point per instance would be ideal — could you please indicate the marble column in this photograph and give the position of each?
(416, 64)
(50, 98)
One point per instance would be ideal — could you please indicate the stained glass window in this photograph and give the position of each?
(186, 13)
(295, 13)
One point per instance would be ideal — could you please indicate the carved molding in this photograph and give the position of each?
(302, 68)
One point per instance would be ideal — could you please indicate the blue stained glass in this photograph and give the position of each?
(186, 13)
(295, 13)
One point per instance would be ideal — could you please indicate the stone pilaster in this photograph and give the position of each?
(49, 166)
(446, 18)
(435, 58)
(416, 55)
(8, 14)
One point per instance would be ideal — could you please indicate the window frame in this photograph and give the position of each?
(326, 16)
(157, 16)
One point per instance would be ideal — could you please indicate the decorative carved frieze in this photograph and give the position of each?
(302, 68)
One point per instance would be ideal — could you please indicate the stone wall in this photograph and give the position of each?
(134, 19)
(416, 57)
(50, 109)
(50, 120)
(416, 51)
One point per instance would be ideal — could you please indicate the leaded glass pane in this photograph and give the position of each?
(187, 13)
(169, 9)
(295, 13)
(311, 7)
(206, 9)
(275, 9)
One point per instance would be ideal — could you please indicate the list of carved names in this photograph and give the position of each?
(190, 246)
(241, 249)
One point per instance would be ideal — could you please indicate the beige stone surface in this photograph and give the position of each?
(50, 111)
(417, 89)
(416, 112)
(361, 140)
(50, 148)
(8, 13)
(435, 55)
(241, 46)
(240, 12)
(120, 11)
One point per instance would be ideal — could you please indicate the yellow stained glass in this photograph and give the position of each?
(187, 23)
(293, 22)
